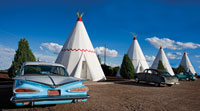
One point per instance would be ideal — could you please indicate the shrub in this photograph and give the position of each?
(127, 69)
(180, 69)
(107, 70)
(115, 70)
(23, 54)
(161, 66)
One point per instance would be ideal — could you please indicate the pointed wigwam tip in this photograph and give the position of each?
(135, 38)
(79, 16)
(161, 47)
(185, 53)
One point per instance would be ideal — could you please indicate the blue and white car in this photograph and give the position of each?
(40, 83)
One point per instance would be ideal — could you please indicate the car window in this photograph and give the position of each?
(155, 72)
(44, 70)
(145, 71)
(150, 71)
(165, 73)
(181, 73)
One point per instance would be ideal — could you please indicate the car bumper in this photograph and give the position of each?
(55, 98)
(172, 83)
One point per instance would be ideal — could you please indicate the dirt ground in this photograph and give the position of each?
(120, 96)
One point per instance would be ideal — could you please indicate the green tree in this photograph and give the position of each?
(115, 70)
(107, 70)
(180, 69)
(23, 54)
(127, 69)
(161, 66)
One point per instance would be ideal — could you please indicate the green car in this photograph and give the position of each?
(186, 75)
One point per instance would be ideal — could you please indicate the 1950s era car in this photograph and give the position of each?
(156, 76)
(40, 83)
(186, 75)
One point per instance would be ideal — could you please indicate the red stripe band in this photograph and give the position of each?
(82, 50)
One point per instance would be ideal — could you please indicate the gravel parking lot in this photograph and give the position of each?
(120, 96)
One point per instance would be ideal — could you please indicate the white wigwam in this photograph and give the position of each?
(185, 62)
(162, 57)
(78, 55)
(137, 57)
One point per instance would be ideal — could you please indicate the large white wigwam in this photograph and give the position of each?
(137, 57)
(185, 62)
(78, 55)
(162, 57)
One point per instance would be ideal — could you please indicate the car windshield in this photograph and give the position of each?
(44, 70)
(165, 73)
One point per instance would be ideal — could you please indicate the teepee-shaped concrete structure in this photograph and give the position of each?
(78, 55)
(185, 62)
(136, 55)
(162, 57)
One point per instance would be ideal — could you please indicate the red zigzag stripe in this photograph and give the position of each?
(82, 50)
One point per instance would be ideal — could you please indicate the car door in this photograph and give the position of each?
(142, 76)
(148, 76)
(155, 77)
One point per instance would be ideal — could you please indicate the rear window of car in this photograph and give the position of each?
(44, 70)
(165, 73)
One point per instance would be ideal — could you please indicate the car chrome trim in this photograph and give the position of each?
(53, 98)
(54, 85)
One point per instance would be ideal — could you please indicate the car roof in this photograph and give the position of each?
(42, 63)
(158, 70)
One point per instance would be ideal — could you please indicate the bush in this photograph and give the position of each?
(180, 69)
(127, 69)
(115, 70)
(23, 54)
(161, 66)
(107, 70)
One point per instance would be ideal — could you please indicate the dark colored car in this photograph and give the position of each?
(156, 76)
(186, 75)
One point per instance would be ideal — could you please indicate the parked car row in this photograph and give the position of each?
(186, 76)
(39, 83)
(157, 77)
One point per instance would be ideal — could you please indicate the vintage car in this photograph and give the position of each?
(40, 83)
(186, 75)
(156, 76)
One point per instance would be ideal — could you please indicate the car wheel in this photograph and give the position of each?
(157, 84)
(187, 79)
(169, 85)
(137, 80)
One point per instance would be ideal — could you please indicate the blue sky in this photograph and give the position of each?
(175, 24)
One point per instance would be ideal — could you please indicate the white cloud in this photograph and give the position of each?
(6, 57)
(164, 42)
(150, 59)
(176, 55)
(171, 44)
(197, 56)
(53, 47)
(109, 52)
(188, 45)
